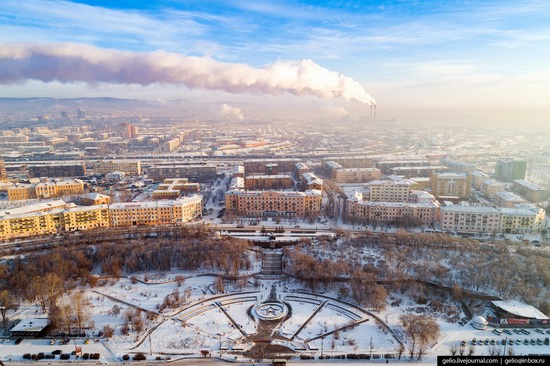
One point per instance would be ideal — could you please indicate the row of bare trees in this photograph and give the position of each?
(45, 276)
(507, 270)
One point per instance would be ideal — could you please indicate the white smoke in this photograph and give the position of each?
(68, 63)
(229, 112)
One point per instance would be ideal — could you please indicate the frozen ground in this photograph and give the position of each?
(198, 322)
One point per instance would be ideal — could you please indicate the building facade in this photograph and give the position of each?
(468, 219)
(58, 216)
(355, 175)
(531, 191)
(193, 172)
(279, 181)
(130, 167)
(56, 170)
(509, 170)
(274, 203)
(451, 184)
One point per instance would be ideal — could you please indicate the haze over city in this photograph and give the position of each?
(462, 61)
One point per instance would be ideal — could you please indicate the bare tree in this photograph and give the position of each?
(421, 330)
(453, 350)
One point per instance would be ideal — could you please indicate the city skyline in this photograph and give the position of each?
(477, 59)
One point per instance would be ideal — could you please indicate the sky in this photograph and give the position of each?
(478, 57)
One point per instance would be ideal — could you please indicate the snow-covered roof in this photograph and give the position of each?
(31, 325)
(520, 309)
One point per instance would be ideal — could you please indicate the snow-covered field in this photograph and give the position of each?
(202, 319)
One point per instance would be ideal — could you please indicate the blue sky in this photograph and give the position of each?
(425, 54)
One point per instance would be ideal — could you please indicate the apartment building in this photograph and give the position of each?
(353, 162)
(173, 188)
(94, 199)
(193, 172)
(389, 190)
(418, 205)
(451, 184)
(311, 181)
(85, 217)
(509, 170)
(470, 219)
(130, 167)
(279, 181)
(269, 166)
(417, 171)
(56, 170)
(507, 200)
(521, 219)
(45, 190)
(274, 203)
(3, 173)
(490, 188)
(155, 213)
(58, 216)
(355, 175)
(387, 166)
(531, 191)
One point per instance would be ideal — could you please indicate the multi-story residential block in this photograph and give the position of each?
(387, 166)
(130, 167)
(155, 213)
(389, 190)
(521, 219)
(311, 181)
(509, 170)
(279, 181)
(238, 171)
(172, 189)
(45, 190)
(3, 173)
(353, 162)
(417, 171)
(56, 170)
(458, 166)
(93, 199)
(355, 175)
(274, 203)
(300, 168)
(31, 224)
(69, 187)
(58, 216)
(269, 166)
(531, 191)
(478, 178)
(470, 219)
(490, 188)
(85, 217)
(417, 205)
(507, 200)
(21, 191)
(451, 184)
(194, 173)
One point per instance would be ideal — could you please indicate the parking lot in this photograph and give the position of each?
(18, 349)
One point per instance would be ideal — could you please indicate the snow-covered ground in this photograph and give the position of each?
(203, 319)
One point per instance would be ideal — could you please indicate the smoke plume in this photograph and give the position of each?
(68, 63)
(229, 112)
